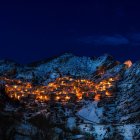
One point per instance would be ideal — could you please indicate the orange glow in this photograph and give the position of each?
(107, 93)
(128, 63)
(47, 98)
(57, 98)
(67, 97)
(62, 89)
(97, 97)
(15, 86)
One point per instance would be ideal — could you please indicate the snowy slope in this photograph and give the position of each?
(117, 115)
(91, 112)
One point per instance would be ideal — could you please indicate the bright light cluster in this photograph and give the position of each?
(62, 89)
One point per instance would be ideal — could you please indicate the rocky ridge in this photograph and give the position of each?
(116, 117)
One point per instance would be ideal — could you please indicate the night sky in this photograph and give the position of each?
(31, 31)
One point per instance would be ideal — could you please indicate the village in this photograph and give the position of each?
(63, 89)
(65, 107)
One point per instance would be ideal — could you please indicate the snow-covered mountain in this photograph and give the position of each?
(66, 64)
(112, 117)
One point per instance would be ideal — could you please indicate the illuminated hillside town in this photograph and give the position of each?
(62, 89)
(69, 97)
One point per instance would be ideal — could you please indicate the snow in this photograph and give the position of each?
(126, 104)
(6, 67)
(63, 65)
(86, 128)
(73, 65)
(27, 76)
(91, 112)
(99, 132)
(77, 137)
(130, 131)
(71, 123)
(54, 75)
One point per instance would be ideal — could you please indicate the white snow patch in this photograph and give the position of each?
(91, 112)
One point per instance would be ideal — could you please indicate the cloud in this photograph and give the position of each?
(101, 40)
(134, 38)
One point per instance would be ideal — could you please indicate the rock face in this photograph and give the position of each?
(114, 116)
(128, 103)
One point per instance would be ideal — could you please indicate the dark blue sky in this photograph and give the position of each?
(31, 31)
